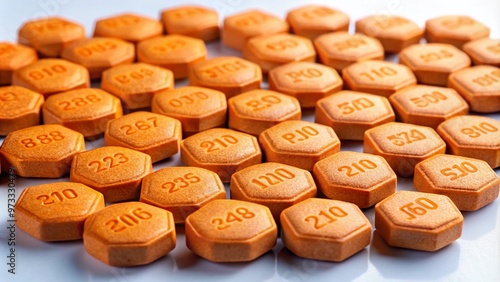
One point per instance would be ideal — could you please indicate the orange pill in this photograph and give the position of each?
(474, 137)
(129, 234)
(239, 28)
(197, 108)
(12, 57)
(485, 51)
(479, 86)
(19, 108)
(299, 143)
(271, 51)
(351, 113)
(358, 178)
(193, 21)
(432, 63)
(136, 84)
(116, 172)
(418, 221)
(231, 231)
(341, 49)
(230, 75)
(403, 145)
(50, 35)
(312, 21)
(56, 211)
(306, 81)
(378, 77)
(274, 185)
(43, 151)
(174, 52)
(129, 27)
(324, 229)
(394, 32)
(50, 76)
(156, 135)
(427, 105)
(99, 54)
(255, 111)
(455, 30)
(223, 151)
(181, 190)
(470, 183)
(84, 110)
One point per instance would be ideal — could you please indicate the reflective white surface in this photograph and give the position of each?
(474, 257)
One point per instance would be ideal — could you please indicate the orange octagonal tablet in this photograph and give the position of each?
(378, 77)
(358, 178)
(270, 51)
(43, 151)
(136, 84)
(174, 52)
(474, 137)
(341, 49)
(56, 211)
(50, 35)
(255, 111)
(312, 21)
(19, 108)
(221, 150)
(324, 229)
(403, 145)
(432, 63)
(274, 185)
(99, 54)
(197, 108)
(299, 143)
(129, 234)
(485, 51)
(454, 29)
(12, 57)
(306, 81)
(130, 27)
(394, 32)
(470, 183)
(84, 110)
(50, 76)
(116, 172)
(351, 113)
(230, 75)
(231, 231)
(181, 190)
(428, 105)
(193, 21)
(418, 221)
(153, 134)
(239, 28)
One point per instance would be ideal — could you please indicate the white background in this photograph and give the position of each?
(474, 257)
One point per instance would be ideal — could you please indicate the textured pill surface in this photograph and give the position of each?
(181, 190)
(193, 21)
(470, 183)
(351, 113)
(403, 145)
(358, 178)
(12, 57)
(56, 211)
(474, 137)
(231, 231)
(312, 21)
(42, 151)
(485, 51)
(19, 108)
(299, 143)
(116, 172)
(129, 234)
(418, 221)
(454, 29)
(277, 186)
(257, 110)
(130, 27)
